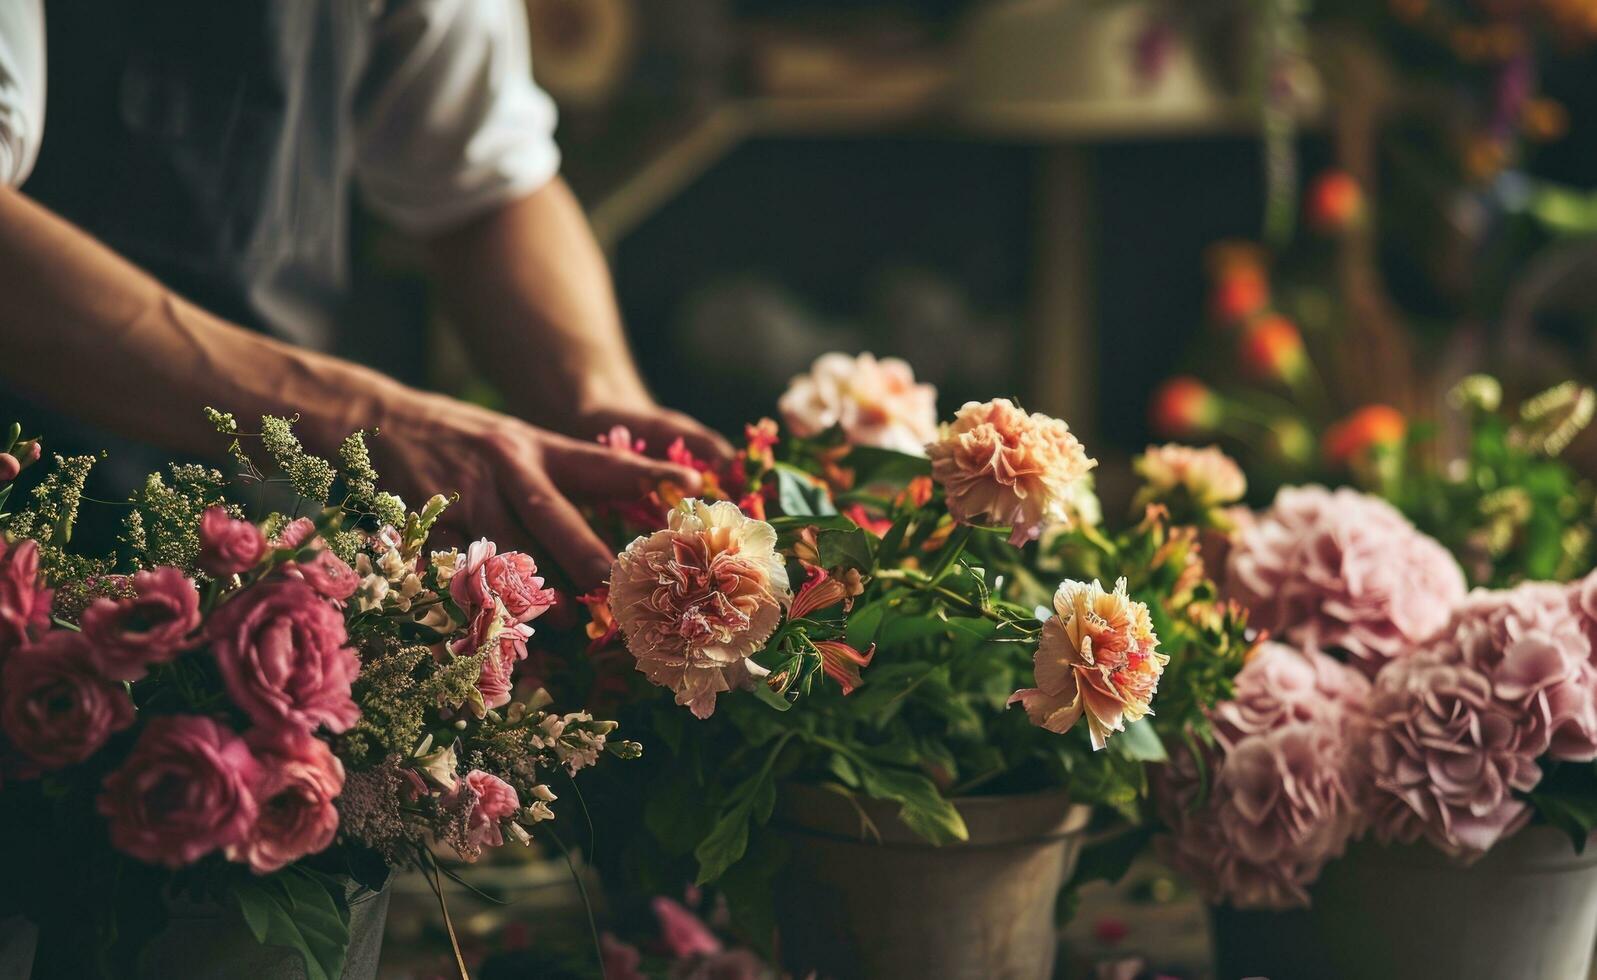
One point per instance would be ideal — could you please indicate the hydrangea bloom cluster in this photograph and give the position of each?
(1341, 570)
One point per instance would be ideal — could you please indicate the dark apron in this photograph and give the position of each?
(208, 141)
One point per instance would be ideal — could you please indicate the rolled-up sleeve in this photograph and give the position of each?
(449, 123)
(21, 88)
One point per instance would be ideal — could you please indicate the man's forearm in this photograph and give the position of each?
(537, 308)
(84, 331)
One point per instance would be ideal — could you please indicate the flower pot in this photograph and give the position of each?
(1527, 910)
(203, 941)
(857, 904)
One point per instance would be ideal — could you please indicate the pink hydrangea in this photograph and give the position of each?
(1285, 782)
(228, 546)
(1446, 756)
(1341, 570)
(874, 402)
(56, 708)
(999, 464)
(24, 601)
(154, 626)
(697, 600)
(285, 656)
(185, 790)
(299, 779)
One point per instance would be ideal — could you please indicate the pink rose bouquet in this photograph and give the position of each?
(263, 710)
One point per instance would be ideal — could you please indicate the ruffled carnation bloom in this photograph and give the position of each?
(698, 599)
(1446, 757)
(1098, 657)
(24, 601)
(496, 801)
(1341, 570)
(999, 464)
(1207, 476)
(512, 578)
(228, 546)
(1531, 642)
(1282, 685)
(185, 790)
(152, 627)
(56, 708)
(285, 657)
(875, 403)
(299, 779)
(295, 534)
(503, 643)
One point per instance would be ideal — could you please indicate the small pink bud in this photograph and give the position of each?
(9, 467)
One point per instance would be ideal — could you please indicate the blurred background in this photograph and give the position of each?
(1304, 211)
(1019, 196)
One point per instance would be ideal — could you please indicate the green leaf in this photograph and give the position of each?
(726, 842)
(872, 465)
(864, 623)
(853, 548)
(1567, 799)
(798, 496)
(763, 692)
(921, 807)
(1139, 742)
(301, 910)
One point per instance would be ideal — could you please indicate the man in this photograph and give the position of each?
(174, 193)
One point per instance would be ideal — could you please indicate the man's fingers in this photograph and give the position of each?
(600, 473)
(560, 528)
(701, 442)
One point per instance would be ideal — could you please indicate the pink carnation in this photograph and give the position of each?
(1098, 658)
(228, 546)
(295, 534)
(999, 464)
(56, 708)
(511, 578)
(24, 602)
(697, 600)
(1340, 570)
(684, 934)
(184, 791)
(874, 403)
(152, 627)
(496, 801)
(328, 574)
(285, 657)
(299, 779)
(1446, 756)
(506, 643)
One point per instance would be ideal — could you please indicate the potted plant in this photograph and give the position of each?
(1411, 768)
(896, 690)
(216, 744)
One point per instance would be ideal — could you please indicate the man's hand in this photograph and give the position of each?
(517, 482)
(658, 428)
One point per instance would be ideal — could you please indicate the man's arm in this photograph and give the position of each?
(88, 333)
(538, 314)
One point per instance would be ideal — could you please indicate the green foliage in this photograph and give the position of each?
(299, 909)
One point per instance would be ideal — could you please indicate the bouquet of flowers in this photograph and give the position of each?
(1395, 705)
(261, 715)
(907, 612)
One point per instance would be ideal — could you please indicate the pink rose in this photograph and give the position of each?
(295, 533)
(153, 627)
(285, 657)
(496, 801)
(228, 546)
(55, 705)
(184, 791)
(512, 578)
(299, 779)
(24, 603)
(327, 573)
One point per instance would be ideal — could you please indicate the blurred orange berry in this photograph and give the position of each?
(1239, 293)
(1545, 119)
(1185, 406)
(1334, 202)
(1272, 349)
(1351, 440)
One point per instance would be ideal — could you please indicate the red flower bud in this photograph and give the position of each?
(1185, 406)
(1272, 350)
(1240, 291)
(1334, 202)
(1352, 439)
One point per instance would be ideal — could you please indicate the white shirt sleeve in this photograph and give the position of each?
(21, 88)
(448, 120)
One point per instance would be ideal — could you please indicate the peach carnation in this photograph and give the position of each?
(1097, 657)
(1000, 464)
(875, 403)
(698, 599)
(1207, 476)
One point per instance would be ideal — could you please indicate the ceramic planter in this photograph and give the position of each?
(853, 904)
(1527, 910)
